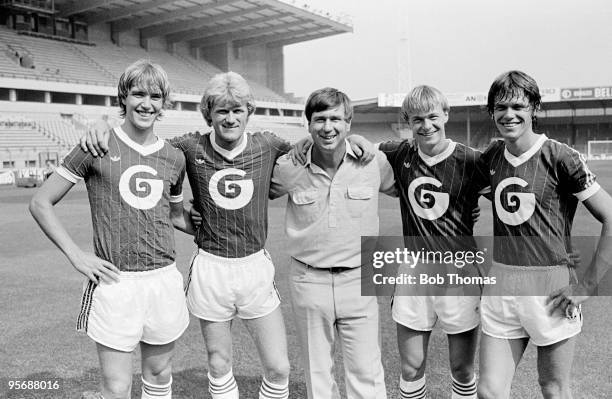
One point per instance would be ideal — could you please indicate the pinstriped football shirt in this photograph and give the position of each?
(230, 190)
(535, 197)
(130, 190)
(439, 193)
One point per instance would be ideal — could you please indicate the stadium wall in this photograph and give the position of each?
(154, 43)
(483, 131)
(180, 48)
(249, 61)
(15, 91)
(101, 32)
(258, 63)
(375, 117)
(20, 158)
(35, 110)
(276, 69)
(216, 55)
(126, 38)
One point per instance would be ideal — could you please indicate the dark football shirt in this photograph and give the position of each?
(437, 194)
(231, 194)
(130, 190)
(535, 197)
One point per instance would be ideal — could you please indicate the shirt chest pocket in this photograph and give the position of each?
(307, 205)
(358, 198)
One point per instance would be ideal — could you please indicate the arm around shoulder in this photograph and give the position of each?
(180, 142)
(284, 168)
(181, 218)
(387, 176)
(363, 148)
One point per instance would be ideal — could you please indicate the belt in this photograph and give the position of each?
(333, 269)
(338, 269)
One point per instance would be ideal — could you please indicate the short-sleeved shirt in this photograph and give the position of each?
(326, 217)
(437, 193)
(230, 190)
(535, 196)
(130, 190)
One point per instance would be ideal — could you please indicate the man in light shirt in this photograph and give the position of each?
(333, 201)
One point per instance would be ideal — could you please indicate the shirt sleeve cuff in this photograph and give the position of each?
(176, 198)
(485, 190)
(68, 175)
(586, 194)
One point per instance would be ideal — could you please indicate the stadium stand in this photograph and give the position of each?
(291, 133)
(60, 62)
(186, 74)
(104, 63)
(55, 60)
(9, 62)
(23, 133)
(375, 132)
(61, 130)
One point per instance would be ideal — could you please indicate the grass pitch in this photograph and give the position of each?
(40, 294)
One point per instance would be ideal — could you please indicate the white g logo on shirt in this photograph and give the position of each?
(438, 200)
(156, 187)
(526, 202)
(231, 186)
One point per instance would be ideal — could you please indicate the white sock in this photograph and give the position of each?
(223, 387)
(413, 389)
(464, 390)
(152, 391)
(270, 390)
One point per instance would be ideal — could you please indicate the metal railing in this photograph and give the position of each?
(343, 18)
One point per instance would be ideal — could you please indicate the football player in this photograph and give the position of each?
(232, 275)
(134, 292)
(439, 184)
(536, 183)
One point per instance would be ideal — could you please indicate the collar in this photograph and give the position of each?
(349, 151)
(521, 159)
(431, 161)
(142, 149)
(228, 154)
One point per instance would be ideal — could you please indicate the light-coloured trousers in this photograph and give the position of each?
(327, 302)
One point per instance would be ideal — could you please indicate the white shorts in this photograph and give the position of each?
(456, 314)
(220, 289)
(420, 308)
(142, 307)
(522, 316)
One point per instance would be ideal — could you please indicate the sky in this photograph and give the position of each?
(459, 46)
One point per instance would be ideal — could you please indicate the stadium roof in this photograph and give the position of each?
(205, 23)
